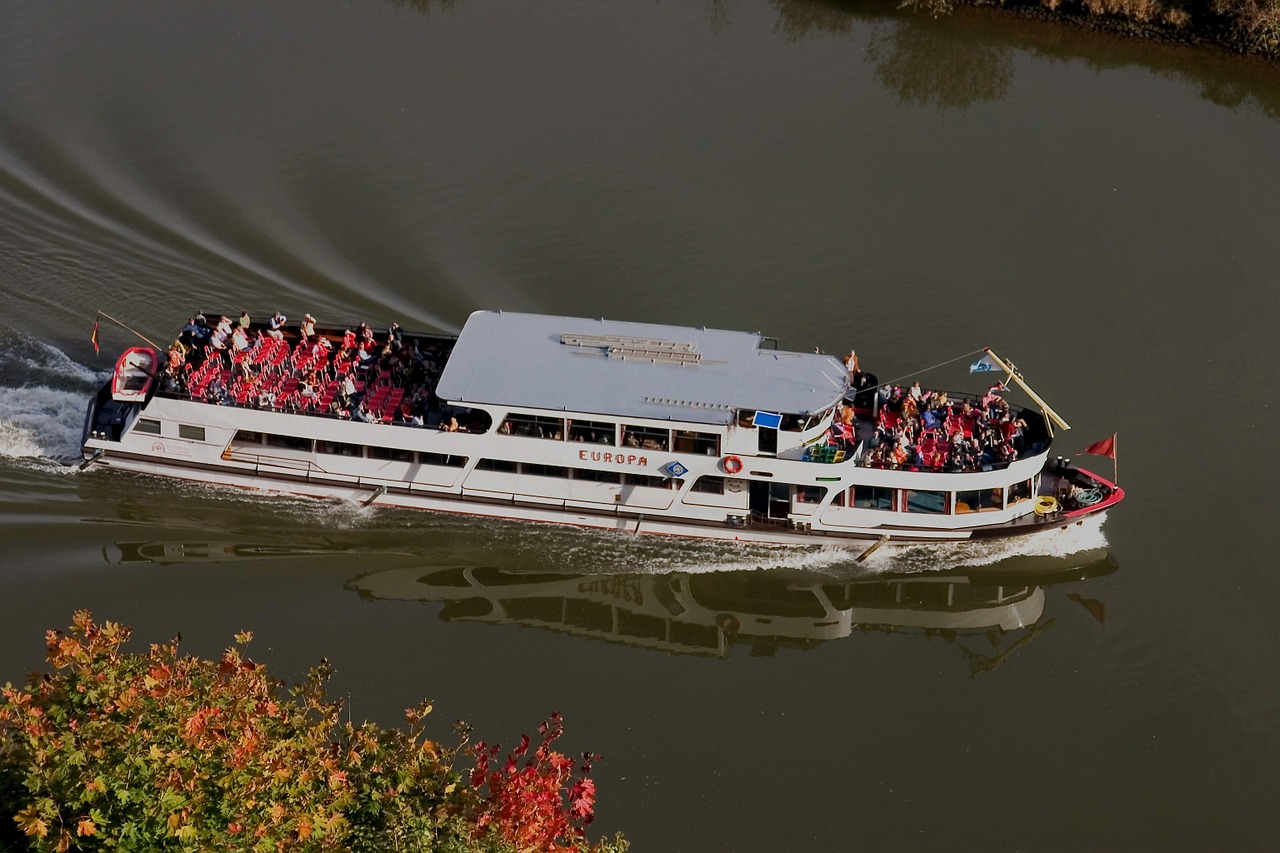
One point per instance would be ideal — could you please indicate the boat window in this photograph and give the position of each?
(544, 470)
(747, 418)
(650, 438)
(810, 494)
(701, 443)
(1019, 492)
(934, 502)
(288, 442)
(872, 497)
(496, 465)
(798, 423)
(533, 426)
(982, 500)
(709, 484)
(597, 476)
(148, 426)
(338, 448)
(191, 433)
(244, 436)
(593, 432)
(446, 460)
(395, 454)
(651, 482)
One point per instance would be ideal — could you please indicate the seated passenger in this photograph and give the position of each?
(307, 328)
(275, 326)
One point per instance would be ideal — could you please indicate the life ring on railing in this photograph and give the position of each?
(1047, 505)
(731, 464)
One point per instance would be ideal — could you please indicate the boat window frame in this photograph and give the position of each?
(878, 506)
(907, 501)
(450, 460)
(699, 443)
(581, 431)
(538, 426)
(145, 426)
(709, 484)
(538, 469)
(976, 506)
(649, 434)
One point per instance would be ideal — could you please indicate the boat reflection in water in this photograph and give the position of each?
(708, 613)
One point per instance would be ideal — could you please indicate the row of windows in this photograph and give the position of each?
(186, 431)
(937, 503)
(614, 435)
(537, 470)
(245, 438)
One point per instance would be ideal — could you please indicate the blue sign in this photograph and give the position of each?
(767, 419)
(675, 469)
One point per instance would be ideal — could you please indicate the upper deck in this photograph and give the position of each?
(638, 370)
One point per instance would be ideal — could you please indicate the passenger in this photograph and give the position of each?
(245, 321)
(851, 363)
(275, 326)
(452, 426)
(307, 327)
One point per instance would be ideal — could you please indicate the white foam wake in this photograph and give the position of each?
(43, 395)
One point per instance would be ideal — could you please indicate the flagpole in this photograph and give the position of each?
(1017, 377)
(129, 329)
(1115, 458)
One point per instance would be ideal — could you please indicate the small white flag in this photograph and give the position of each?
(986, 364)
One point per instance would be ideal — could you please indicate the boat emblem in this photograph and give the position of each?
(675, 469)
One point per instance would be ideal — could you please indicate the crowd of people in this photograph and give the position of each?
(362, 374)
(912, 428)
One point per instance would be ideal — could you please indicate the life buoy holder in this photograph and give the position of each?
(1047, 505)
(731, 464)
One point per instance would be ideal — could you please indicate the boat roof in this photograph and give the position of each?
(642, 370)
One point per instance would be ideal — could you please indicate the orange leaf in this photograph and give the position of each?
(86, 826)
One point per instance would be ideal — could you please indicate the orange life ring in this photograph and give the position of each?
(731, 464)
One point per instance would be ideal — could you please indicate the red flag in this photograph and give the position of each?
(94, 337)
(1106, 447)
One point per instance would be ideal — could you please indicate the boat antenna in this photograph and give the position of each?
(107, 316)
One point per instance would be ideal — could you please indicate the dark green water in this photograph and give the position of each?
(1103, 212)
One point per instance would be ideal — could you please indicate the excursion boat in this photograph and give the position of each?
(632, 427)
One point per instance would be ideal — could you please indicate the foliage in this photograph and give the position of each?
(164, 751)
(529, 803)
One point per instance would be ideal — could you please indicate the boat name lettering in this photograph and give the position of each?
(613, 458)
(170, 447)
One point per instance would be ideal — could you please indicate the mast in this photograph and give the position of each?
(1017, 377)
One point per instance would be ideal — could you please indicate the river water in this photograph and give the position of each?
(837, 175)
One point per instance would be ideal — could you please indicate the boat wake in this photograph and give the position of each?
(43, 394)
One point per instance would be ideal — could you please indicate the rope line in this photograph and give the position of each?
(107, 316)
(934, 367)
